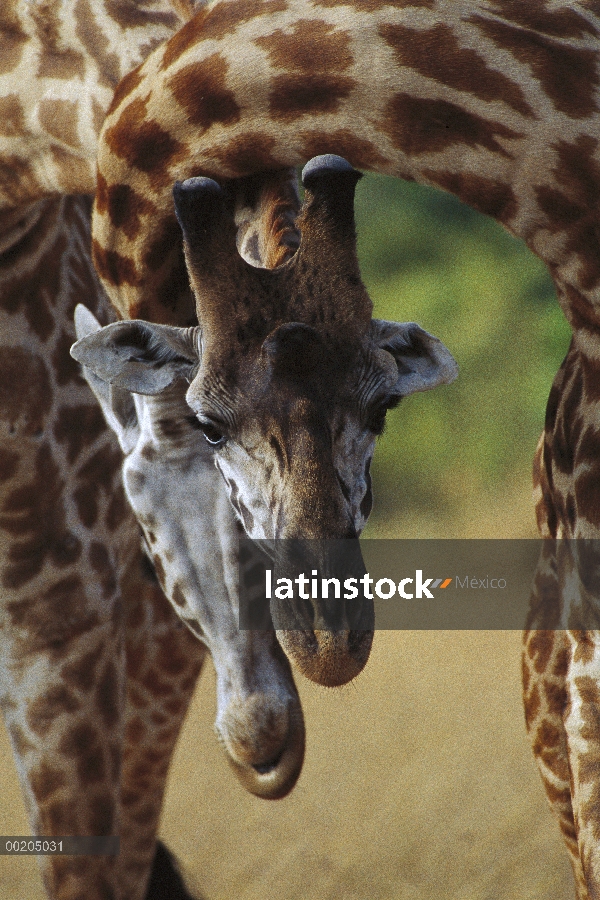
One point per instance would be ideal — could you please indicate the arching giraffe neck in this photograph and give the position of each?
(60, 63)
(494, 102)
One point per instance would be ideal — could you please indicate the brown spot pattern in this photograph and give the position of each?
(370, 6)
(113, 267)
(45, 781)
(12, 44)
(56, 59)
(309, 46)
(81, 673)
(162, 245)
(107, 695)
(52, 618)
(568, 75)
(536, 16)
(178, 595)
(78, 427)
(539, 649)
(118, 509)
(25, 391)
(135, 732)
(575, 207)
(556, 698)
(217, 23)
(199, 89)
(73, 173)
(436, 54)
(60, 119)
(64, 367)
(125, 87)
(493, 198)
(101, 563)
(81, 743)
(66, 65)
(97, 44)
(143, 143)
(59, 818)
(420, 125)
(47, 708)
(293, 96)
(247, 154)
(9, 464)
(362, 154)
(11, 115)
(35, 294)
(101, 814)
(159, 569)
(126, 207)
(585, 649)
(94, 477)
(131, 16)
(532, 706)
(34, 514)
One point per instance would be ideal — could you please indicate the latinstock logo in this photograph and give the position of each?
(324, 588)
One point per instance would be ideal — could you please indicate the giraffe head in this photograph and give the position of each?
(192, 537)
(289, 379)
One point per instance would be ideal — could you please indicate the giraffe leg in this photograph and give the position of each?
(95, 676)
(163, 662)
(62, 650)
(546, 660)
(567, 477)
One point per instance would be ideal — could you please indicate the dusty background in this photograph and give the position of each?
(418, 785)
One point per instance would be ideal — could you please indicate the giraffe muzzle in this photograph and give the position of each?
(328, 658)
(327, 638)
(263, 737)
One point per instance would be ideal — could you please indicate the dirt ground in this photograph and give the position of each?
(418, 784)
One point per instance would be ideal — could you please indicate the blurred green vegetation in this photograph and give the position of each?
(457, 461)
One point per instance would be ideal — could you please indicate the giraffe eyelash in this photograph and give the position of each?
(377, 416)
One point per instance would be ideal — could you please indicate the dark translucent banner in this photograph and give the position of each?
(420, 584)
(30, 845)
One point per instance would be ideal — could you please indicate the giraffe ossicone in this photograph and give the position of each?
(289, 380)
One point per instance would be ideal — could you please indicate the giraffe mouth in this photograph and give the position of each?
(274, 777)
(267, 767)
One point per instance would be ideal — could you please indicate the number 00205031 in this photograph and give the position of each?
(30, 845)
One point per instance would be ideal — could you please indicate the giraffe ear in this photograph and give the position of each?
(140, 357)
(117, 404)
(423, 361)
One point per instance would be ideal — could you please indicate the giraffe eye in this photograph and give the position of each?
(376, 419)
(213, 434)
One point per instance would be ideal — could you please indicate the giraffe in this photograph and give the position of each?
(492, 100)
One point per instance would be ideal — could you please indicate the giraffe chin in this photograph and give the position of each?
(269, 763)
(328, 658)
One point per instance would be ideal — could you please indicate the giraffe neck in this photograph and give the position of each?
(495, 104)
(59, 66)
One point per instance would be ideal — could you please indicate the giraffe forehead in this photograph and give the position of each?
(299, 365)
